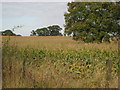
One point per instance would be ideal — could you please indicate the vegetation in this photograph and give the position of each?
(60, 62)
(53, 30)
(8, 33)
(37, 63)
(92, 21)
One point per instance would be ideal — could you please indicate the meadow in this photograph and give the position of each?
(58, 62)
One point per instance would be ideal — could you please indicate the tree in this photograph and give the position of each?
(18, 35)
(42, 32)
(8, 33)
(92, 21)
(33, 33)
(55, 30)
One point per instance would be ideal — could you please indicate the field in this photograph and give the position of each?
(58, 62)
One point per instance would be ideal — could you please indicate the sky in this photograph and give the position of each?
(32, 15)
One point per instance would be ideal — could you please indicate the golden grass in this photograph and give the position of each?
(54, 42)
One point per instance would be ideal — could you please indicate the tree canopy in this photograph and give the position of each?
(8, 33)
(53, 30)
(92, 21)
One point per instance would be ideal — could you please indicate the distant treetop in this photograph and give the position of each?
(53, 30)
(8, 33)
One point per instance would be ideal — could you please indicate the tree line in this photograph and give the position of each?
(53, 30)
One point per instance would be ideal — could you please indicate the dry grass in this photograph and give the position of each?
(53, 74)
(55, 42)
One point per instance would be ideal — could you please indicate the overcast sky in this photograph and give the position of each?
(32, 15)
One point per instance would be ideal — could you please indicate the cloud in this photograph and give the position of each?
(60, 0)
(32, 9)
(33, 15)
(36, 0)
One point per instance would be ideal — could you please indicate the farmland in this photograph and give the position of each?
(58, 62)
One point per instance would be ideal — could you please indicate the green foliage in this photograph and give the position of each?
(33, 33)
(92, 21)
(18, 35)
(53, 30)
(43, 32)
(8, 33)
(82, 61)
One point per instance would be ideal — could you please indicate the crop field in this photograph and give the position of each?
(58, 62)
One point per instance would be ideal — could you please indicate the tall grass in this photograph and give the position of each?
(58, 62)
